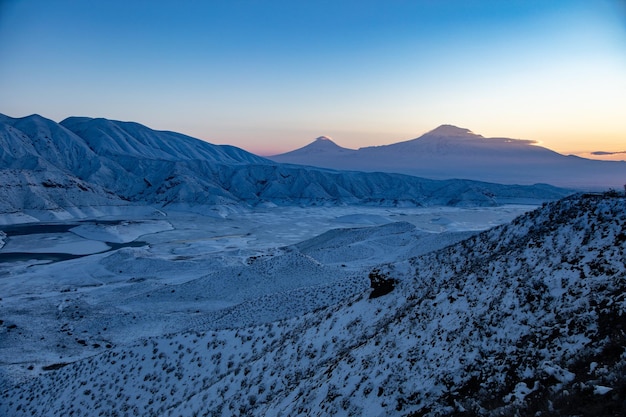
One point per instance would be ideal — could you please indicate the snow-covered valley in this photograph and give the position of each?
(268, 312)
(182, 268)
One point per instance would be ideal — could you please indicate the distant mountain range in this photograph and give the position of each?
(452, 152)
(81, 163)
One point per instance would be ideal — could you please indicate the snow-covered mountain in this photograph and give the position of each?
(128, 139)
(321, 148)
(451, 152)
(527, 318)
(43, 166)
(83, 163)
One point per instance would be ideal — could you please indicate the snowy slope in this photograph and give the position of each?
(289, 184)
(523, 318)
(132, 140)
(451, 152)
(41, 165)
(83, 162)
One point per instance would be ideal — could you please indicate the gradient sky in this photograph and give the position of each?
(270, 76)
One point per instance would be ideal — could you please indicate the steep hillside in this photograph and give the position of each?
(521, 319)
(46, 167)
(451, 152)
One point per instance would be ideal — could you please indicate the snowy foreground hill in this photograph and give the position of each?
(452, 152)
(527, 318)
(85, 167)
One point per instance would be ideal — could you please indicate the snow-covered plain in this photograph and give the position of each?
(200, 272)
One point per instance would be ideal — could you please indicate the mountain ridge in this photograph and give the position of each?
(125, 163)
(134, 139)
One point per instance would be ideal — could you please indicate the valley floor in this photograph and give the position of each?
(76, 289)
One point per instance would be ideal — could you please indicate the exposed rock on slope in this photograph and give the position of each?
(524, 318)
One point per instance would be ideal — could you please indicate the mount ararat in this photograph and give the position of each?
(451, 152)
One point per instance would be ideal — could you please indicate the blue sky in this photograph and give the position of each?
(270, 76)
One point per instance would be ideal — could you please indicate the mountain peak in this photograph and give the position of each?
(322, 146)
(323, 142)
(323, 139)
(451, 130)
